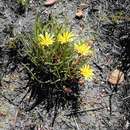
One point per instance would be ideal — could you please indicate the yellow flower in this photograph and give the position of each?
(45, 40)
(83, 49)
(87, 72)
(65, 37)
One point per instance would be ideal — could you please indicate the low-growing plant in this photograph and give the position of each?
(56, 64)
(54, 45)
(23, 2)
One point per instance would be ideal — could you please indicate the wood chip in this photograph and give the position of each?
(50, 2)
(116, 77)
(15, 118)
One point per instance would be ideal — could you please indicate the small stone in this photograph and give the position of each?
(116, 77)
(67, 90)
(90, 42)
(79, 14)
(2, 114)
(83, 6)
(82, 82)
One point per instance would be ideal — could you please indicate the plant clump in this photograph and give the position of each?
(55, 64)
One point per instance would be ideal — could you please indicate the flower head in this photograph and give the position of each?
(45, 40)
(87, 72)
(65, 37)
(83, 49)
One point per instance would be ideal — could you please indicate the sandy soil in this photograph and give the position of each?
(102, 108)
